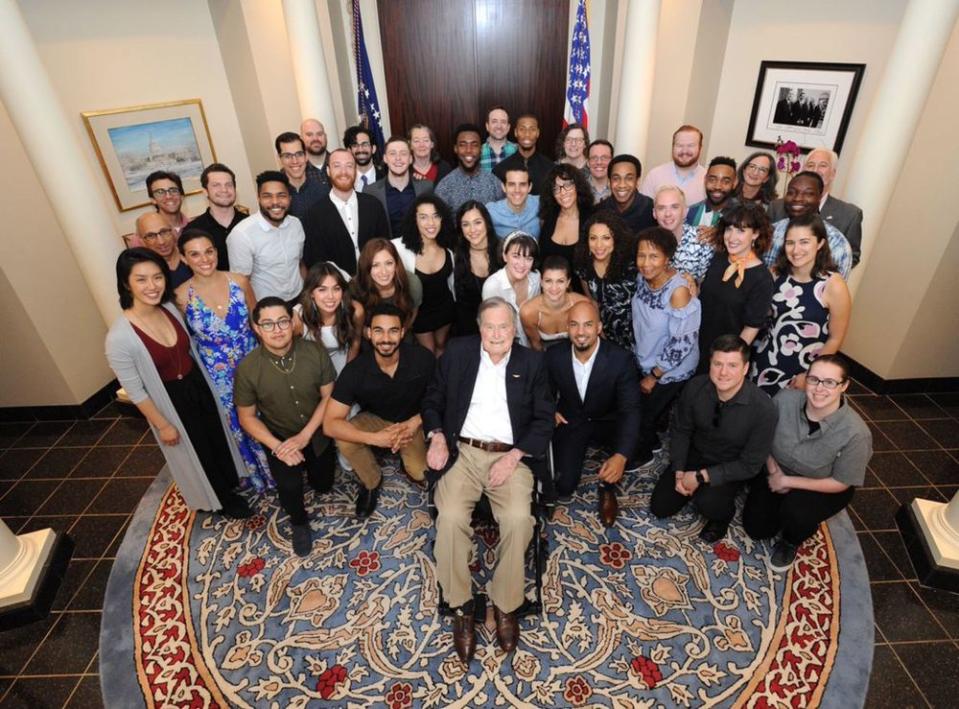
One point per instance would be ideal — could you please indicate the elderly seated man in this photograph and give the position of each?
(487, 409)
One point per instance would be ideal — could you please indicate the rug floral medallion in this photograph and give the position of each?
(641, 615)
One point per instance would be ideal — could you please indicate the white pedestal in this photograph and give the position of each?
(938, 523)
(22, 562)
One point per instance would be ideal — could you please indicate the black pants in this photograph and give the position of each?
(796, 513)
(653, 406)
(289, 478)
(717, 503)
(194, 404)
(570, 442)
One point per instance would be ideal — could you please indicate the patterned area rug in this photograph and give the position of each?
(202, 612)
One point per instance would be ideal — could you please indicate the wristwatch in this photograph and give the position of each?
(700, 478)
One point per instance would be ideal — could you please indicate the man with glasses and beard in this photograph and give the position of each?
(387, 381)
(359, 141)
(281, 391)
(720, 438)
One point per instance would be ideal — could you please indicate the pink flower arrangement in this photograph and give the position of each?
(788, 154)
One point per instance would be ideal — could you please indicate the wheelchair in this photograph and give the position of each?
(543, 501)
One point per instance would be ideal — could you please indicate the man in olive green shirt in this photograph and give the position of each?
(281, 390)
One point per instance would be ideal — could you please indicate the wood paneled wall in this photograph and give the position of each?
(448, 61)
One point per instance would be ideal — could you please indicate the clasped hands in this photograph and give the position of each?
(686, 482)
(438, 454)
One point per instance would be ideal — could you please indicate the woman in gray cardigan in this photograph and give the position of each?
(155, 362)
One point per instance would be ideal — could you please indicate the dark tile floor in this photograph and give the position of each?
(86, 477)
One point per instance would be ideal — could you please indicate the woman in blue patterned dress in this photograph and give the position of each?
(810, 309)
(606, 266)
(666, 319)
(216, 306)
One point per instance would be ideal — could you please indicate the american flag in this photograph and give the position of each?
(577, 84)
(367, 104)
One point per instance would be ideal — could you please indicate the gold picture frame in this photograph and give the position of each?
(133, 142)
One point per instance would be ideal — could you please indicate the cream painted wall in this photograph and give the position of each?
(858, 31)
(51, 349)
(103, 54)
(905, 317)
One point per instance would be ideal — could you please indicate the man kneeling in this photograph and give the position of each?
(720, 438)
(487, 408)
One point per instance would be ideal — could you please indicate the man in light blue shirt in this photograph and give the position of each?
(803, 195)
(520, 210)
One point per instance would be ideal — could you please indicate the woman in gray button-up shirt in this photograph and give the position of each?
(819, 455)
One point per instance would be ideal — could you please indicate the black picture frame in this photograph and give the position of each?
(810, 103)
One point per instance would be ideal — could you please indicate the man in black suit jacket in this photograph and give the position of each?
(487, 411)
(340, 224)
(598, 401)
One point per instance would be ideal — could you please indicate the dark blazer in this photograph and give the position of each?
(612, 393)
(378, 190)
(528, 398)
(327, 238)
(845, 216)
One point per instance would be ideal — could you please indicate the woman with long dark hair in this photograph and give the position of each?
(381, 277)
(757, 179)
(476, 256)
(565, 203)
(329, 314)
(155, 361)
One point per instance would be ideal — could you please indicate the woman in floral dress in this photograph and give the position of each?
(216, 306)
(810, 309)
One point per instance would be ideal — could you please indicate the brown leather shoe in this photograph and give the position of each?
(464, 634)
(608, 506)
(507, 629)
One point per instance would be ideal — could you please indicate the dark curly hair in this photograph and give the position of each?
(624, 246)
(411, 233)
(549, 207)
(662, 239)
(824, 263)
(561, 138)
(745, 216)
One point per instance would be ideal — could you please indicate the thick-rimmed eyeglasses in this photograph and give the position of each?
(814, 381)
(298, 155)
(282, 324)
(152, 236)
(564, 187)
(166, 192)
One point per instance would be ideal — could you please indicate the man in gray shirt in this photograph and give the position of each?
(468, 181)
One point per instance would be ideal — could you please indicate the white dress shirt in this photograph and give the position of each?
(269, 255)
(582, 370)
(370, 176)
(350, 214)
(488, 415)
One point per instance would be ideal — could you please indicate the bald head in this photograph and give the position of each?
(314, 137)
(155, 233)
(584, 328)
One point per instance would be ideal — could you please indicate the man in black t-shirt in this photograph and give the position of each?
(388, 383)
(219, 183)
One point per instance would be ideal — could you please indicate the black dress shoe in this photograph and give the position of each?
(608, 505)
(713, 532)
(507, 630)
(366, 501)
(302, 539)
(235, 507)
(464, 632)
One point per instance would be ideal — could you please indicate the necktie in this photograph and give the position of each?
(363, 180)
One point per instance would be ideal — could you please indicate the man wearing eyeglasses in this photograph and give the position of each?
(359, 141)
(166, 192)
(720, 438)
(156, 234)
(306, 187)
(598, 155)
(281, 390)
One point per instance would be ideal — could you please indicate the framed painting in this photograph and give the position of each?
(133, 142)
(807, 102)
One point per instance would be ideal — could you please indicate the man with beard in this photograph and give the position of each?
(845, 216)
(360, 143)
(496, 148)
(720, 183)
(804, 195)
(156, 234)
(219, 183)
(635, 208)
(387, 381)
(313, 135)
(281, 390)
(305, 188)
(340, 224)
(398, 189)
(597, 386)
(684, 171)
(537, 164)
(467, 181)
(268, 246)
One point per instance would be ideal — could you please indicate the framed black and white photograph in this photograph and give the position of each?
(807, 102)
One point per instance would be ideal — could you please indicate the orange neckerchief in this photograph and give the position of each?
(737, 266)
